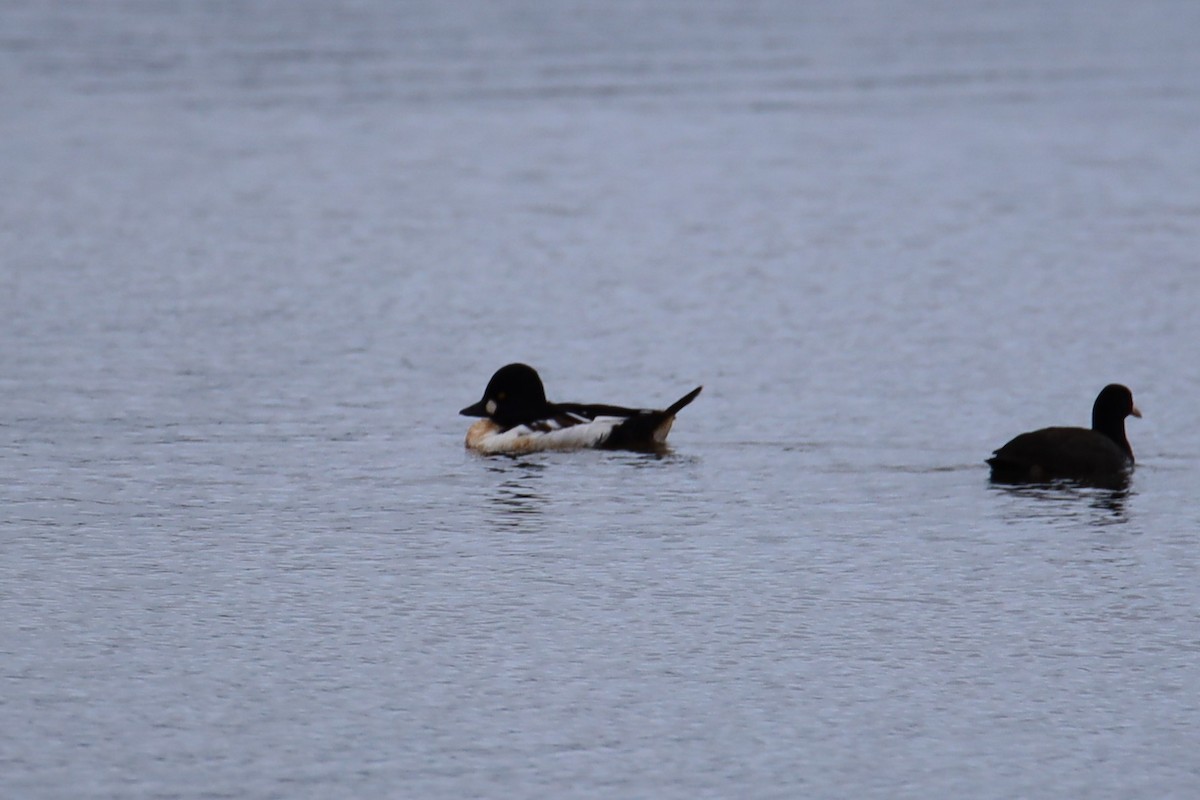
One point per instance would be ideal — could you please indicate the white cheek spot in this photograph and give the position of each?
(490, 407)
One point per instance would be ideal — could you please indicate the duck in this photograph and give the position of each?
(517, 418)
(1099, 454)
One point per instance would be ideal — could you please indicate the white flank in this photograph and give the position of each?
(483, 437)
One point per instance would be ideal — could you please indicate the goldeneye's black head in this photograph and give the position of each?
(514, 395)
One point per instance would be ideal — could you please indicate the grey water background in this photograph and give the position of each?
(256, 255)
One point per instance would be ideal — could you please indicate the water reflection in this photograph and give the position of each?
(1116, 481)
(1103, 505)
(516, 502)
(649, 459)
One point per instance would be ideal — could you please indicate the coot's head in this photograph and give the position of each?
(1115, 402)
(1112, 406)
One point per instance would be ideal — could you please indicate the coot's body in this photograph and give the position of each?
(1101, 454)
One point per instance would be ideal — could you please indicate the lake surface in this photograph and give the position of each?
(255, 257)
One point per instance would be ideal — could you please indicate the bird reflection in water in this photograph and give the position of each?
(1070, 499)
(515, 500)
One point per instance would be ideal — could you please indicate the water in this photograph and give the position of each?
(256, 256)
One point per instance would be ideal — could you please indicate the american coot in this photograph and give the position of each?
(518, 419)
(1101, 454)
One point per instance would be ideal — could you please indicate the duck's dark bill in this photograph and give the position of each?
(476, 410)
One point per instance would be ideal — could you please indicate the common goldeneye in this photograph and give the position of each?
(1099, 454)
(518, 419)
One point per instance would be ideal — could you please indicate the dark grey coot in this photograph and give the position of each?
(1101, 454)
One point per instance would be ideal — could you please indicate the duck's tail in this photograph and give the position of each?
(675, 407)
(659, 435)
(647, 430)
